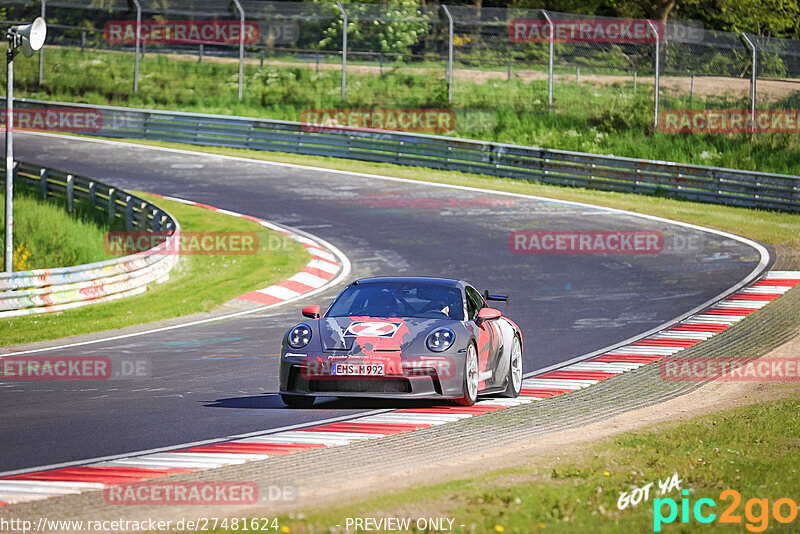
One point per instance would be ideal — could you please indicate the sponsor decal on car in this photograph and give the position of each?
(372, 329)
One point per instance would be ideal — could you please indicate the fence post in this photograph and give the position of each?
(112, 205)
(142, 216)
(578, 75)
(753, 74)
(128, 213)
(241, 47)
(156, 221)
(83, 42)
(550, 61)
(344, 50)
(138, 44)
(658, 69)
(43, 182)
(449, 54)
(200, 53)
(70, 192)
(634, 80)
(41, 50)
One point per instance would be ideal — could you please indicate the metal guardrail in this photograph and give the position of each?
(593, 171)
(48, 290)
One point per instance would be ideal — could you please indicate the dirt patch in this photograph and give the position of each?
(704, 86)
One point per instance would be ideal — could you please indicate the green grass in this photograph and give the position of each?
(46, 236)
(199, 283)
(606, 119)
(753, 450)
(776, 228)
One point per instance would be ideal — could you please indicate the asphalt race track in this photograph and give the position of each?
(566, 304)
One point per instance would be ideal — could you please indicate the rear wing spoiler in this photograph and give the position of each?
(501, 298)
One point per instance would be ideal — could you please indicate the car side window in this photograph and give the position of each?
(474, 302)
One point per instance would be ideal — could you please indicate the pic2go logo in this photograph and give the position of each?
(756, 511)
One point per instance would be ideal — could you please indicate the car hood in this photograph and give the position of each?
(370, 335)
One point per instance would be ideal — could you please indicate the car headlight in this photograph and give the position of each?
(299, 336)
(440, 339)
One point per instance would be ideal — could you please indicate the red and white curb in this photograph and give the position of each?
(323, 267)
(686, 333)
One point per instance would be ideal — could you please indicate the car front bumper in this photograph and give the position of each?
(422, 377)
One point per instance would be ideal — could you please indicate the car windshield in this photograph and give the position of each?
(399, 299)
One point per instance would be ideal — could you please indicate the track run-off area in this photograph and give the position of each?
(220, 378)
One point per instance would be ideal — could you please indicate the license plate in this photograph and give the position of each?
(357, 369)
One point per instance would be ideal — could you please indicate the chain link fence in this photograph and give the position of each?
(563, 58)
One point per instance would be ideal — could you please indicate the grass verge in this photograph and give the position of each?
(46, 236)
(751, 449)
(779, 229)
(199, 283)
(602, 118)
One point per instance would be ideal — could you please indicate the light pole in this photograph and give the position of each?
(30, 38)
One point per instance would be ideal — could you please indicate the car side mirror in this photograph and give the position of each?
(488, 314)
(312, 312)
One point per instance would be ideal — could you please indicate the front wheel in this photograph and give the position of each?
(297, 401)
(470, 382)
(514, 378)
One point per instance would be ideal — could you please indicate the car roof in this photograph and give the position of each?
(449, 282)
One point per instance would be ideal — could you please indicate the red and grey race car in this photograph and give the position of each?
(403, 337)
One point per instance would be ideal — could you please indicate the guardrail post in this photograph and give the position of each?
(241, 47)
(142, 216)
(128, 213)
(112, 204)
(550, 61)
(43, 182)
(449, 54)
(344, 50)
(138, 44)
(70, 192)
(92, 199)
(156, 221)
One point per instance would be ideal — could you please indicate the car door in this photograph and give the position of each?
(489, 342)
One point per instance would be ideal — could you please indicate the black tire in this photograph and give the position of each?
(514, 376)
(297, 401)
(469, 387)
